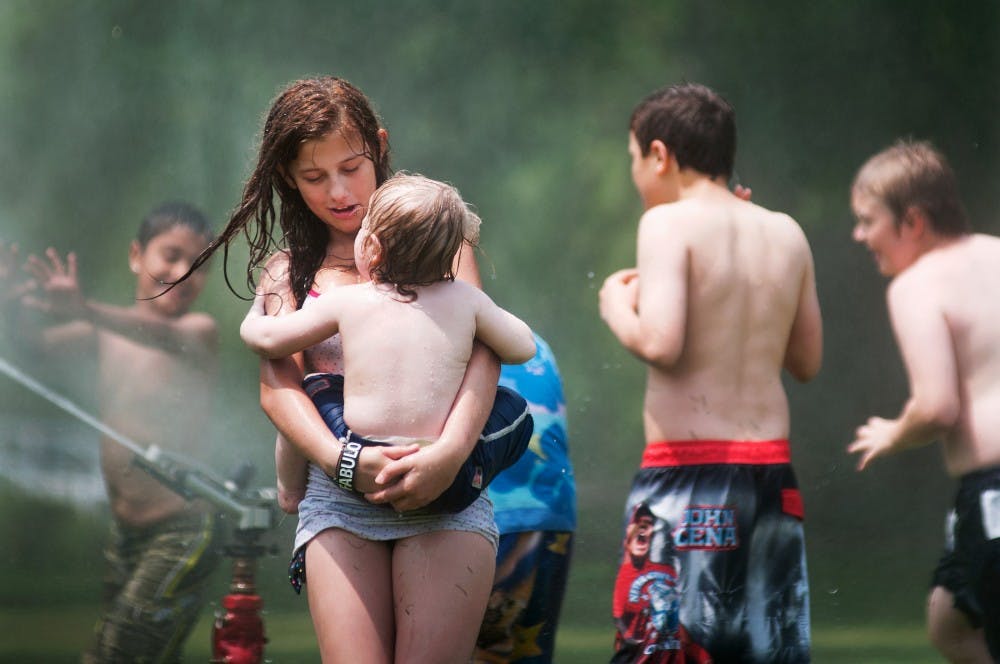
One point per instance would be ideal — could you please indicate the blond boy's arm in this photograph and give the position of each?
(933, 406)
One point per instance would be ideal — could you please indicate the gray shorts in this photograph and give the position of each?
(328, 506)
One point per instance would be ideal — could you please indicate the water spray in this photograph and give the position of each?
(238, 632)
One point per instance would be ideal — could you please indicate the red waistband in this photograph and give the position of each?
(701, 452)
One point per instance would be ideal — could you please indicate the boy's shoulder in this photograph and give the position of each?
(700, 215)
(199, 321)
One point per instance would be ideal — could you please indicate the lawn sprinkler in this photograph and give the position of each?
(238, 632)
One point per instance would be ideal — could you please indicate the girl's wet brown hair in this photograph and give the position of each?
(307, 109)
(420, 225)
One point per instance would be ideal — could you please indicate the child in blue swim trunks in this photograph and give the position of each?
(503, 441)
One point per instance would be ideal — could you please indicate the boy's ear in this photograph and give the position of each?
(914, 221)
(663, 155)
(374, 250)
(383, 137)
(134, 257)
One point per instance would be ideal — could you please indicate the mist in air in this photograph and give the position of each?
(111, 108)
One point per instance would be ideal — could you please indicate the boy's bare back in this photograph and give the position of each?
(949, 303)
(733, 284)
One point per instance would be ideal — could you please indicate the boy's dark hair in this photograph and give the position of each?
(174, 213)
(695, 123)
(915, 174)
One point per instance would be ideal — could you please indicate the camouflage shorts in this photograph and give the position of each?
(154, 588)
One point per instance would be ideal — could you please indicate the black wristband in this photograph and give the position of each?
(347, 463)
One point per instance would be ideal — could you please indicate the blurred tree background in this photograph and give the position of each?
(110, 107)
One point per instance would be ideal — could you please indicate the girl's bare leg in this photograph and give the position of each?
(349, 584)
(442, 582)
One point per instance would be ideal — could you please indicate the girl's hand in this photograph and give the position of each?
(373, 460)
(414, 479)
(288, 499)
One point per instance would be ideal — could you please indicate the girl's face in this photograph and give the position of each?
(335, 180)
(162, 261)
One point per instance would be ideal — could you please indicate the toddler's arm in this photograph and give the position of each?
(506, 334)
(275, 337)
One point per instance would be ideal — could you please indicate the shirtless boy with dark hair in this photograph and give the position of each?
(156, 373)
(722, 300)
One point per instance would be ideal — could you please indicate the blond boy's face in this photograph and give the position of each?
(164, 259)
(876, 228)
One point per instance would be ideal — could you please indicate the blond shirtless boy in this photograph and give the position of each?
(722, 300)
(156, 366)
(944, 304)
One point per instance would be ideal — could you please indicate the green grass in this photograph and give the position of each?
(56, 635)
(48, 596)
